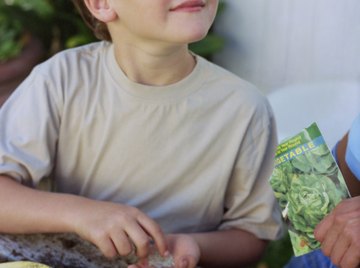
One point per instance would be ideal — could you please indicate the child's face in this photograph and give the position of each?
(172, 21)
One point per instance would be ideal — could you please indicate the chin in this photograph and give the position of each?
(194, 36)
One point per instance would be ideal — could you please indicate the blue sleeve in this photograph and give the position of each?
(352, 155)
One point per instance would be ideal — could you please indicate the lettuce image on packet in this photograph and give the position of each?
(307, 184)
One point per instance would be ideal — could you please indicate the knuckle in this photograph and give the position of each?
(133, 210)
(109, 253)
(126, 250)
(326, 251)
(98, 235)
(142, 247)
(157, 229)
(348, 232)
(339, 220)
(356, 243)
(143, 243)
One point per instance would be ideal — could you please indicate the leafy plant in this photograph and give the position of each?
(68, 29)
(19, 18)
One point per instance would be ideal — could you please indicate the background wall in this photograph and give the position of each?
(273, 43)
(303, 54)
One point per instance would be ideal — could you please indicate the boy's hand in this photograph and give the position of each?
(117, 229)
(339, 234)
(184, 250)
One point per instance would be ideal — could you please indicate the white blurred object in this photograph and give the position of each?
(333, 105)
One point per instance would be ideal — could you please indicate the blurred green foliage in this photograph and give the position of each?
(277, 254)
(18, 17)
(55, 22)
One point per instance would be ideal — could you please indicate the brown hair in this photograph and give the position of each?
(99, 28)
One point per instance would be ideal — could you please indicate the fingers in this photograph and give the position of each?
(122, 243)
(136, 231)
(331, 240)
(185, 250)
(351, 258)
(116, 229)
(186, 262)
(338, 250)
(140, 239)
(155, 232)
(339, 234)
(106, 246)
(322, 228)
(351, 233)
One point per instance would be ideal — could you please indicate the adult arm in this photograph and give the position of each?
(109, 226)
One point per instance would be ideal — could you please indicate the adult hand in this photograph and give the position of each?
(116, 229)
(339, 234)
(183, 248)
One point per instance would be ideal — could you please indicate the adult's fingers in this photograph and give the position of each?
(322, 228)
(351, 259)
(339, 249)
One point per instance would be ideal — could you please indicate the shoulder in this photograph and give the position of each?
(74, 67)
(75, 59)
(241, 93)
(65, 74)
(228, 82)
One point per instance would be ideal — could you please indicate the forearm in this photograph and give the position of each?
(28, 210)
(230, 248)
(113, 228)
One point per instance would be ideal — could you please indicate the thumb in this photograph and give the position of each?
(187, 262)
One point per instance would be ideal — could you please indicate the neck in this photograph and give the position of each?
(157, 67)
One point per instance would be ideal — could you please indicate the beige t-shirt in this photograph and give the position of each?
(195, 155)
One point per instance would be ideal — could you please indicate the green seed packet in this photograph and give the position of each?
(307, 184)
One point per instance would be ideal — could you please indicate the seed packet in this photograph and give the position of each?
(307, 184)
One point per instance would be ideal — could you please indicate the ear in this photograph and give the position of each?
(101, 10)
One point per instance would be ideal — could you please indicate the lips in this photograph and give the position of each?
(189, 5)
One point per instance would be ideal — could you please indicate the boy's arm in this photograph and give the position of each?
(31, 211)
(229, 248)
(107, 225)
(218, 249)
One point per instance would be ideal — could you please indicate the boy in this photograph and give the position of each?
(145, 141)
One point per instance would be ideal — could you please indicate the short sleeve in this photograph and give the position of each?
(352, 155)
(29, 123)
(251, 204)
